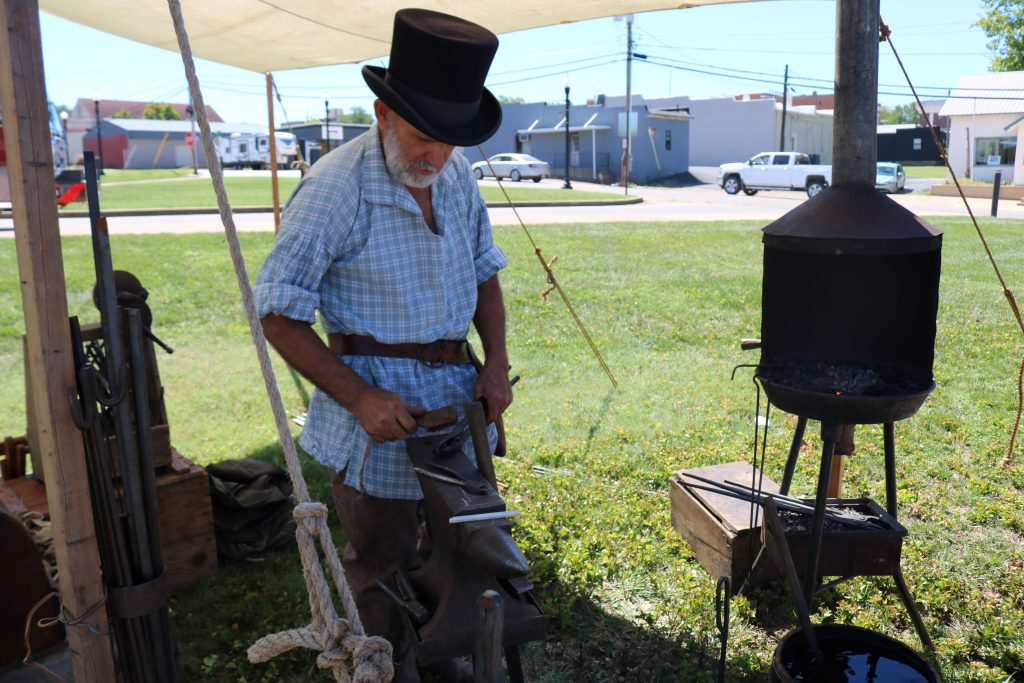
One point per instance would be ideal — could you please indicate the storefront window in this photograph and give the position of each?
(995, 151)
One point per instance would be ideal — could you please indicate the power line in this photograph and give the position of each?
(557, 73)
(751, 79)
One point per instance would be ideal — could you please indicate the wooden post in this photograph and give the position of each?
(273, 152)
(41, 269)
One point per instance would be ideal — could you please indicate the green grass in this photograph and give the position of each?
(132, 191)
(118, 175)
(626, 600)
(925, 171)
(493, 195)
(192, 193)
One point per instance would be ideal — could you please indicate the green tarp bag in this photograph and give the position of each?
(252, 507)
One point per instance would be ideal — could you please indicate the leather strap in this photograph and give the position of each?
(439, 352)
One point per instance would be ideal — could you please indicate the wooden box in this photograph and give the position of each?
(186, 517)
(186, 523)
(718, 527)
(852, 551)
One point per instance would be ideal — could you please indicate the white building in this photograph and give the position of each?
(727, 129)
(986, 129)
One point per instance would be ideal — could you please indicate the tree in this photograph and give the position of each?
(357, 115)
(1003, 23)
(160, 110)
(505, 99)
(901, 113)
(121, 114)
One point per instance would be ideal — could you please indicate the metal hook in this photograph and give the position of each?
(722, 598)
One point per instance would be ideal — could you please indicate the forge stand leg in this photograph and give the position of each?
(794, 452)
(915, 615)
(830, 433)
(891, 506)
(889, 437)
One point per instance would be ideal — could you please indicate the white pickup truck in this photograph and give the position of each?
(775, 171)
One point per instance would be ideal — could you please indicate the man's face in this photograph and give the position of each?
(413, 159)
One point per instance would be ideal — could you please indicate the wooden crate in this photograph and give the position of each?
(186, 522)
(186, 517)
(718, 527)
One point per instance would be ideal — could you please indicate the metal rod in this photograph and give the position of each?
(484, 516)
(774, 528)
(162, 645)
(794, 452)
(782, 504)
(830, 432)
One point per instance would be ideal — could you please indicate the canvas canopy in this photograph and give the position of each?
(274, 35)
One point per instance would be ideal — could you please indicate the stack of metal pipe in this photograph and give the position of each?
(110, 405)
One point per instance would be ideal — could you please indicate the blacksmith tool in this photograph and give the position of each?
(461, 431)
(722, 597)
(450, 478)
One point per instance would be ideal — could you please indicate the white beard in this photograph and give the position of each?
(403, 170)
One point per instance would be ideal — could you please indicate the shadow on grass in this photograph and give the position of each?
(219, 618)
(587, 643)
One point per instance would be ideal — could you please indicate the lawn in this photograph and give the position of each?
(927, 172)
(177, 189)
(589, 465)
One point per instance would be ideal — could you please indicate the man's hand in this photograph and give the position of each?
(493, 385)
(384, 415)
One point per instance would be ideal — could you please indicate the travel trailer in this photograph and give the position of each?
(253, 150)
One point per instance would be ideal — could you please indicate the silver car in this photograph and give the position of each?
(515, 167)
(889, 177)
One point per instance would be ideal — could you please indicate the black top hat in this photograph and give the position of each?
(435, 78)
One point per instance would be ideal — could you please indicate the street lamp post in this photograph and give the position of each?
(99, 135)
(327, 125)
(567, 185)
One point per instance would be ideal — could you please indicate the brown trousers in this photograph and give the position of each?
(382, 537)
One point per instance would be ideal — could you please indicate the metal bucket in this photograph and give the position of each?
(848, 654)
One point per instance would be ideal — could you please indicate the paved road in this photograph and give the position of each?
(694, 203)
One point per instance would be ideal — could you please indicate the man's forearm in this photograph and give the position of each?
(489, 320)
(384, 415)
(305, 351)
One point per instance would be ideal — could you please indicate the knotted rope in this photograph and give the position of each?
(337, 640)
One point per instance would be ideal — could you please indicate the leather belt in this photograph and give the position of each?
(439, 352)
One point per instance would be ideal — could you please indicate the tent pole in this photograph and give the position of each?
(273, 152)
(48, 338)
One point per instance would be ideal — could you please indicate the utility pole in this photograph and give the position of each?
(785, 99)
(624, 172)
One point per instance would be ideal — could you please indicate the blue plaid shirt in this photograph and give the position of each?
(354, 246)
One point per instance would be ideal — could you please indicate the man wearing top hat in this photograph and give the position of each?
(388, 238)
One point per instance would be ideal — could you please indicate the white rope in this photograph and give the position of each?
(337, 640)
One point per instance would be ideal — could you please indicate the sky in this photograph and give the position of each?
(700, 52)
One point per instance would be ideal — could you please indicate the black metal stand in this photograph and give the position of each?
(830, 435)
